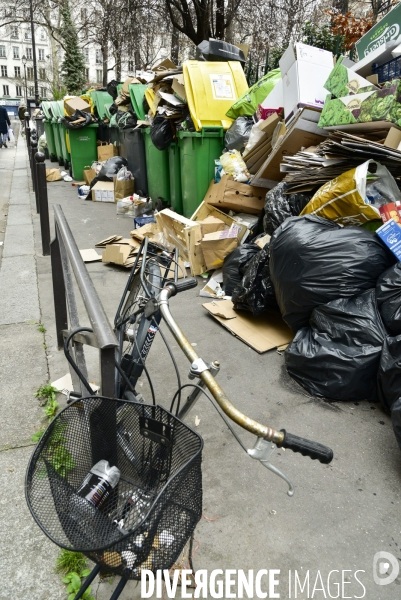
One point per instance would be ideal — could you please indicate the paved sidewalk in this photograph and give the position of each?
(340, 516)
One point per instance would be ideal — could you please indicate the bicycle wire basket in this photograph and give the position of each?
(151, 513)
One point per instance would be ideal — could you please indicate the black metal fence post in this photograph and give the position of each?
(41, 186)
(27, 132)
(34, 149)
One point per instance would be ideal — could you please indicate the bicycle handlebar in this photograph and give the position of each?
(281, 438)
(184, 284)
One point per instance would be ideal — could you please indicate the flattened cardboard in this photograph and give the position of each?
(261, 333)
(303, 133)
(178, 87)
(216, 246)
(211, 224)
(90, 255)
(239, 197)
(393, 138)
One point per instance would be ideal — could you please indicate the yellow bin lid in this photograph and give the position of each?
(211, 89)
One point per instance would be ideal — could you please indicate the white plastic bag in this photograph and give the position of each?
(11, 135)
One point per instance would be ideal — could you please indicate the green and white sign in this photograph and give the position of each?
(386, 30)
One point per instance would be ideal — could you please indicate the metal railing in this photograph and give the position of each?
(66, 261)
(67, 264)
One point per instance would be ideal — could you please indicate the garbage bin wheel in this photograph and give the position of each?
(53, 158)
(66, 165)
(159, 204)
(60, 162)
(70, 170)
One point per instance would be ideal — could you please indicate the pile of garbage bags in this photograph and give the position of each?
(338, 288)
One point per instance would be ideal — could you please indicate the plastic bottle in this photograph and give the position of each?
(99, 482)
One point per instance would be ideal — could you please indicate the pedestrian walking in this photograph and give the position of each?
(4, 125)
(21, 115)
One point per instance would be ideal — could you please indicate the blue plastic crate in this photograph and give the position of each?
(389, 70)
(141, 221)
(390, 234)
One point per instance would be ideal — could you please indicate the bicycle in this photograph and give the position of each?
(144, 439)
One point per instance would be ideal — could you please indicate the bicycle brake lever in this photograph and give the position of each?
(262, 451)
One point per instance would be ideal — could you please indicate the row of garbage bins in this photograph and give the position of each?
(179, 175)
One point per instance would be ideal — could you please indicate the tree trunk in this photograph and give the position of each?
(175, 45)
(219, 19)
(342, 6)
(229, 34)
(105, 56)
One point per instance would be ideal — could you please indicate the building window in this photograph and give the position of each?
(4, 71)
(18, 90)
(87, 74)
(28, 35)
(6, 91)
(31, 91)
(15, 52)
(130, 65)
(42, 35)
(99, 76)
(43, 92)
(2, 51)
(99, 58)
(14, 33)
(29, 72)
(85, 52)
(41, 54)
(42, 74)
(29, 53)
(17, 71)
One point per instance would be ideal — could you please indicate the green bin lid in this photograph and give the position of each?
(101, 99)
(45, 108)
(137, 93)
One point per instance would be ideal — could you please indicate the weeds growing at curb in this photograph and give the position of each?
(41, 328)
(74, 567)
(47, 393)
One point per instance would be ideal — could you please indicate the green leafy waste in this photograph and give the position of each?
(73, 566)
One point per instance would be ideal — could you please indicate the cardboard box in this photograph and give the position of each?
(212, 224)
(344, 82)
(239, 197)
(304, 69)
(205, 209)
(103, 191)
(76, 103)
(179, 87)
(276, 97)
(121, 252)
(186, 234)
(217, 245)
(106, 151)
(390, 211)
(380, 105)
(384, 31)
(390, 234)
(303, 132)
(261, 333)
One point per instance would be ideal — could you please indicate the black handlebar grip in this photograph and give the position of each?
(184, 284)
(306, 447)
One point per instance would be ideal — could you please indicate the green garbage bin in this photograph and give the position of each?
(157, 169)
(62, 130)
(56, 132)
(83, 149)
(198, 151)
(174, 166)
(137, 94)
(49, 131)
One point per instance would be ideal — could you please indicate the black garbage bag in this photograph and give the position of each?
(235, 265)
(388, 293)
(255, 292)
(78, 114)
(112, 88)
(126, 119)
(237, 135)
(113, 110)
(279, 206)
(109, 169)
(389, 375)
(338, 356)
(162, 132)
(314, 261)
(396, 420)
